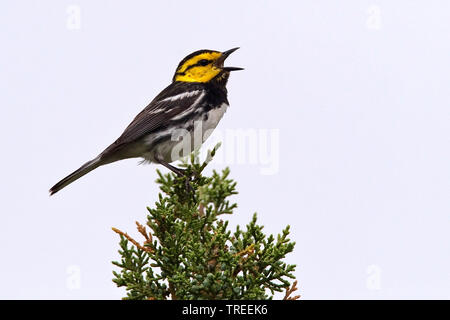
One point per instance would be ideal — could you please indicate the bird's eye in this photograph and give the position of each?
(203, 62)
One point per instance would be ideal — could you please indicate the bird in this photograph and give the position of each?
(196, 99)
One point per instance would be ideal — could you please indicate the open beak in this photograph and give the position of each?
(222, 58)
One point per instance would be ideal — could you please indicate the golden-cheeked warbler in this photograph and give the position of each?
(196, 96)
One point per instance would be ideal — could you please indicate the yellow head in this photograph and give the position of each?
(203, 66)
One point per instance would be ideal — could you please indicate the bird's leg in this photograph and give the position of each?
(180, 173)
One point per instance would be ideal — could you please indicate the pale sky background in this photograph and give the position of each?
(359, 91)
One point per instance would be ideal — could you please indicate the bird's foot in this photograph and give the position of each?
(188, 178)
(182, 173)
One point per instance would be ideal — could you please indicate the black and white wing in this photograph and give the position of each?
(172, 105)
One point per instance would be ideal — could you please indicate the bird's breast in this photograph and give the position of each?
(211, 119)
(179, 141)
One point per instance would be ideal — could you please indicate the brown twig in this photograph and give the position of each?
(146, 249)
(172, 291)
(249, 250)
(290, 290)
(244, 256)
(201, 210)
(142, 230)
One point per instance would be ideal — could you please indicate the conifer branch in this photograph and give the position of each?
(189, 252)
(290, 290)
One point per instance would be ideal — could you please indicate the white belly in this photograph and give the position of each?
(214, 117)
(183, 141)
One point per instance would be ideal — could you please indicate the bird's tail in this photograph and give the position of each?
(84, 169)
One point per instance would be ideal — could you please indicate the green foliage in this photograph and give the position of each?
(190, 253)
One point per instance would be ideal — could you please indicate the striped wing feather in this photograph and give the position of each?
(158, 113)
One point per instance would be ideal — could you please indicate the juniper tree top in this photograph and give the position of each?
(189, 252)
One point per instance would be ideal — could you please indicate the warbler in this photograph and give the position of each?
(197, 97)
